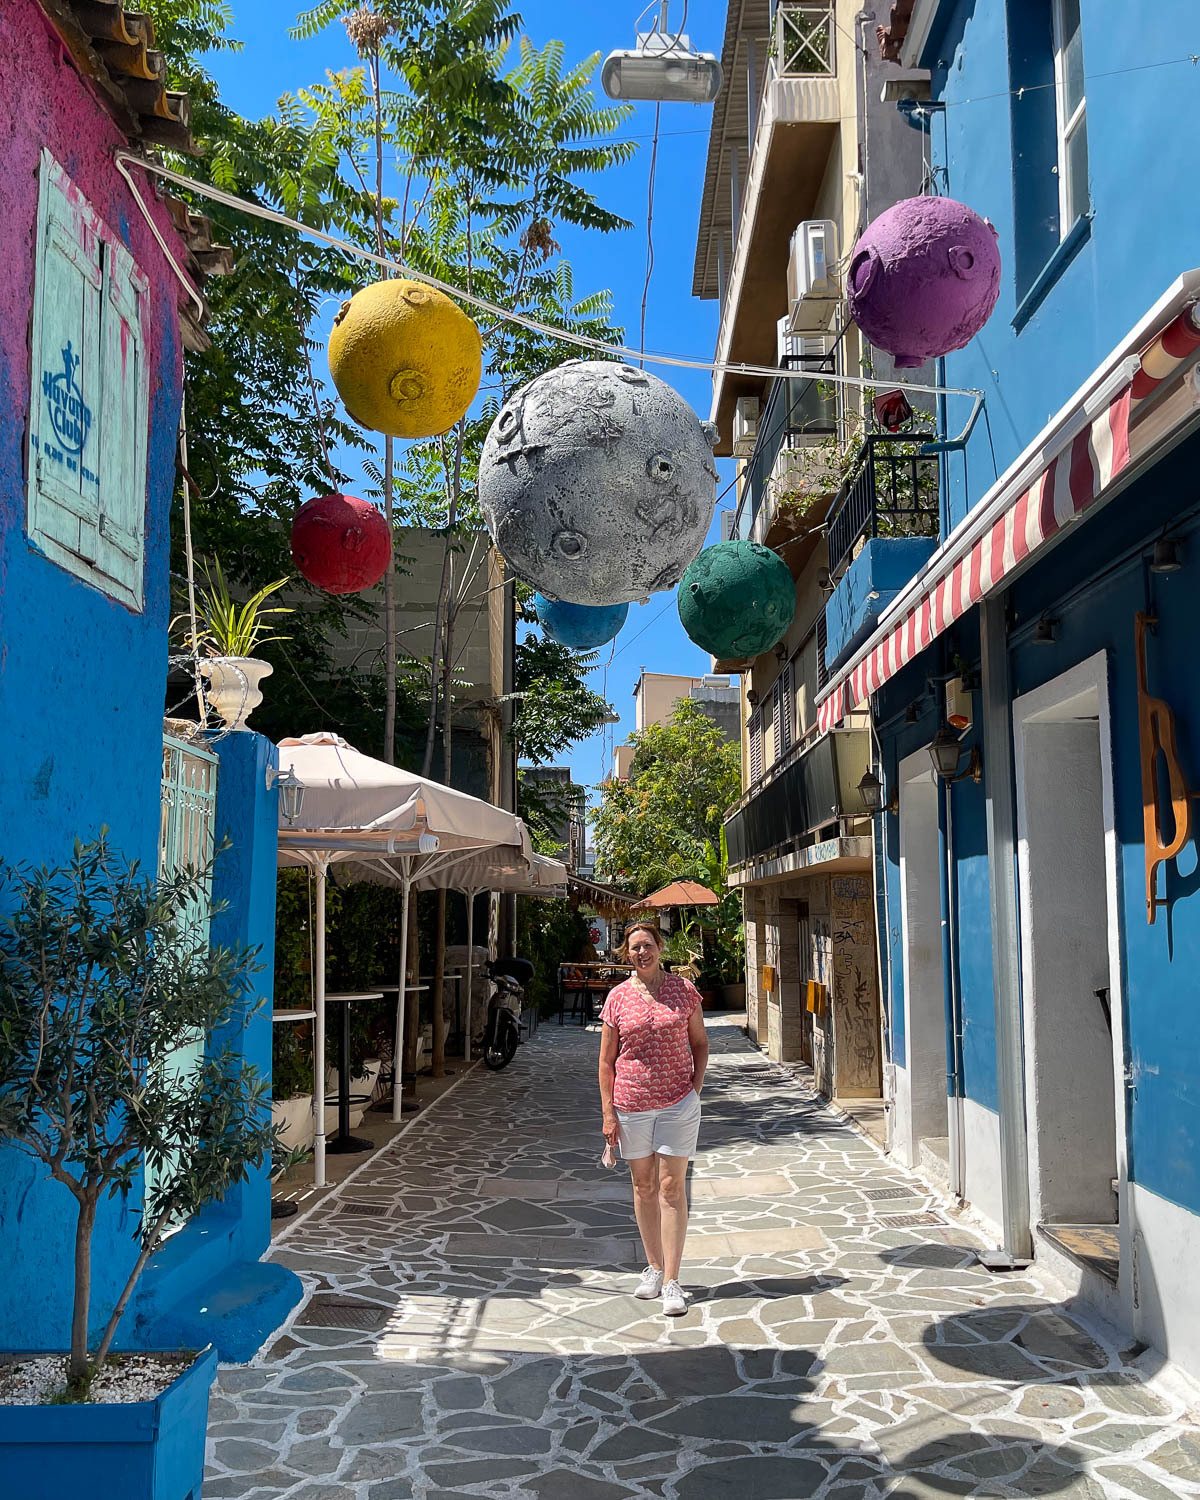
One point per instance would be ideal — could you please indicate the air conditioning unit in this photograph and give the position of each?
(798, 351)
(813, 290)
(745, 426)
(728, 522)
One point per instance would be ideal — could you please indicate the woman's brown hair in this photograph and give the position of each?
(650, 927)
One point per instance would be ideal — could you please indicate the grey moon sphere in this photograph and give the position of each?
(598, 484)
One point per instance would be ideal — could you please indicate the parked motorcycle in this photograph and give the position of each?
(502, 1035)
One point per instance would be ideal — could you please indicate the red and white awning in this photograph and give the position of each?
(1056, 481)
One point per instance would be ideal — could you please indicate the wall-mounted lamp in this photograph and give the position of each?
(751, 697)
(1168, 556)
(912, 714)
(1045, 632)
(870, 789)
(663, 68)
(291, 792)
(825, 583)
(946, 752)
(781, 652)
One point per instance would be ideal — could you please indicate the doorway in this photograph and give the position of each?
(1070, 972)
(922, 1106)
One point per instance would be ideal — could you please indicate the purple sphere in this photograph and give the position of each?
(924, 278)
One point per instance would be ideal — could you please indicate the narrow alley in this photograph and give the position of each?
(469, 1328)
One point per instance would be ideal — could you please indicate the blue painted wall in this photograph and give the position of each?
(1142, 233)
(1145, 226)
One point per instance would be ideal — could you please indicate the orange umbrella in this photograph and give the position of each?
(679, 893)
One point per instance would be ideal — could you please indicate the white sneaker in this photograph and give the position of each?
(675, 1302)
(650, 1285)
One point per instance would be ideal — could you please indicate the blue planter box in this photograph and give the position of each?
(868, 586)
(146, 1450)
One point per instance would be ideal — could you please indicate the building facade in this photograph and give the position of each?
(802, 155)
(1028, 682)
(656, 696)
(100, 294)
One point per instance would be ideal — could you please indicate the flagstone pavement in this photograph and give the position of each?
(469, 1329)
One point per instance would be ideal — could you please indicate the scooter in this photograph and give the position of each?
(502, 1035)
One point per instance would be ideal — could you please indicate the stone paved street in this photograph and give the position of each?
(469, 1328)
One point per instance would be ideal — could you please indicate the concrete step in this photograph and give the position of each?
(235, 1311)
(935, 1160)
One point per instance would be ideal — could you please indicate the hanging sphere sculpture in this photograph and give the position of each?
(597, 483)
(341, 544)
(737, 600)
(582, 627)
(406, 360)
(924, 278)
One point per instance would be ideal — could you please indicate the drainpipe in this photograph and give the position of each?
(950, 990)
(996, 696)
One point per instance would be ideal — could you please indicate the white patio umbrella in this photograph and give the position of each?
(350, 808)
(488, 871)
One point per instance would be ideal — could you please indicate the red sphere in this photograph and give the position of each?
(341, 544)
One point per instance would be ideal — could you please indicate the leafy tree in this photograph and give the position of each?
(103, 975)
(660, 824)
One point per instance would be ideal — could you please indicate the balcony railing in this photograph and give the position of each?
(805, 38)
(808, 788)
(892, 490)
(796, 413)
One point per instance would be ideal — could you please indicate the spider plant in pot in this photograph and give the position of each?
(116, 1078)
(231, 633)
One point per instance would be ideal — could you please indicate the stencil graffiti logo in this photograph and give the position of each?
(70, 415)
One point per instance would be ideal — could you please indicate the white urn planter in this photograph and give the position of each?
(296, 1117)
(233, 690)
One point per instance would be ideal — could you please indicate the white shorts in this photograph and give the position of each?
(661, 1132)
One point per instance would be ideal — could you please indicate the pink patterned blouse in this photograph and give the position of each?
(654, 1064)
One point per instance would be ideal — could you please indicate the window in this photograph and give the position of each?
(783, 705)
(755, 732)
(89, 401)
(1051, 205)
(1071, 107)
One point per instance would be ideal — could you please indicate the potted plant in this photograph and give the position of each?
(291, 1087)
(231, 633)
(105, 976)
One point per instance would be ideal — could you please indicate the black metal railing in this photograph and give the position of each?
(800, 794)
(795, 412)
(892, 490)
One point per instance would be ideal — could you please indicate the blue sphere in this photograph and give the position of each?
(582, 627)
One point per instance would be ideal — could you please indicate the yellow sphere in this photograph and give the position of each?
(405, 359)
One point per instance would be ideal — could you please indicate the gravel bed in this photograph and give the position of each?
(127, 1378)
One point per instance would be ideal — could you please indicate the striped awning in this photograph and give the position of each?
(1021, 516)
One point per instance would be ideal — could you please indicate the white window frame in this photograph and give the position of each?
(1074, 199)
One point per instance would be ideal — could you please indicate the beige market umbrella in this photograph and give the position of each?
(344, 807)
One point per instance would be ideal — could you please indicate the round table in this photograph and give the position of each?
(343, 1144)
(408, 1106)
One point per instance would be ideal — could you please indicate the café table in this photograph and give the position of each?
(344, 1144)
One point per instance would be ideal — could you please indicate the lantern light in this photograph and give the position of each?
(945, 751)
(664, 68)
(291, 792)
(870, 789)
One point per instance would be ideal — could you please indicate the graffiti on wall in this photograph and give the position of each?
(856, 997)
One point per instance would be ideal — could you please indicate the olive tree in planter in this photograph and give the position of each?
(104, 975)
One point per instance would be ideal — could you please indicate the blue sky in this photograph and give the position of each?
(272, 64)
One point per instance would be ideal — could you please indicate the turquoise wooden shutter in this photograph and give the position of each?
(63, 489)
(124, 406)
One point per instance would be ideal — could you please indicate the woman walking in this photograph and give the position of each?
(653, 1053)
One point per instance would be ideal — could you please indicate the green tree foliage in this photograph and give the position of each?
(103, 975)
(548, 933)
(661, 824)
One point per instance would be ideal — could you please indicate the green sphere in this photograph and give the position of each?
(737, 600)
